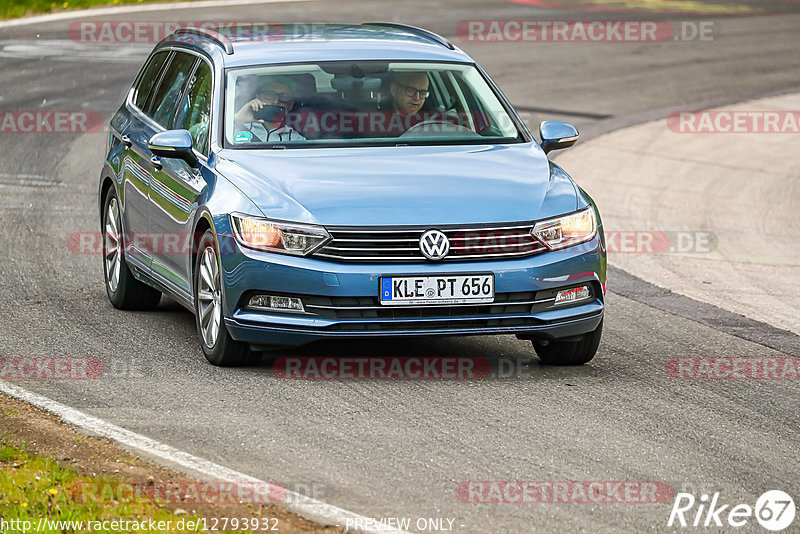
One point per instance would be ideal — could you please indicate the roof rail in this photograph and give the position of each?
(210, 34)
(416, 31)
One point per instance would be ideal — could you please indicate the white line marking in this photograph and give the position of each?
(55, 17)
(27, 179)
(321, 512)
(64, 50)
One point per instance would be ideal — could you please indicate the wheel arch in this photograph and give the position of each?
(105, 184)
(203, 223)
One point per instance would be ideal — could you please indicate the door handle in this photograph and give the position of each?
(126, 141)
(156, 161)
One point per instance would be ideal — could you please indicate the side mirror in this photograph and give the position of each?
(173, 144)
(556, 135)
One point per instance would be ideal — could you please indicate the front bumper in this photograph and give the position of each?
(341, 299)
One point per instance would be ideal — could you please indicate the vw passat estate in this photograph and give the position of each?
(344, 181)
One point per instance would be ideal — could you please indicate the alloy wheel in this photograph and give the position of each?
(209, 297)
(112, 246)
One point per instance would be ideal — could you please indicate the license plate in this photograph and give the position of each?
(453, 289)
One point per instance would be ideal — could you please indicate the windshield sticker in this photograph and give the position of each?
(242, 137)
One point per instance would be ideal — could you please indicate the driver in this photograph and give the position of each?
(263, 119)
(409, 92)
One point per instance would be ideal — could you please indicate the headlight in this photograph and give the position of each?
(275, 236)
(567, 230)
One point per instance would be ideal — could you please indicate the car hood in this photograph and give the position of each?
(411, 185)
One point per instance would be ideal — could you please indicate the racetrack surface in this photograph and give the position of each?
(727, 202)
(401, 448)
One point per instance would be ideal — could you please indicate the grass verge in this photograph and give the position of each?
(49, 469)
(37, 490)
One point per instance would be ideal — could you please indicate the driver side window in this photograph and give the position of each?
(194, 113)
(169, 91)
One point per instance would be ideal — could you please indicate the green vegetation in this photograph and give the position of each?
(35, 487)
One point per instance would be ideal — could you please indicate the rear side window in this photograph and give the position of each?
(165, 101)
(148, 79)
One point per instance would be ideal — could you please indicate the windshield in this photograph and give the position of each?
(363, 103)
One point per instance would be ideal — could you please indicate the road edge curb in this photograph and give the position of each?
(170, 457)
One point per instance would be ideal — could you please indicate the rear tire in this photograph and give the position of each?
(218, 346)
(569, 352)
(124, 291)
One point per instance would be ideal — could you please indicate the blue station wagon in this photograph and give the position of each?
(344, 181)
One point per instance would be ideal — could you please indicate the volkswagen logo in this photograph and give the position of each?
(434, 245)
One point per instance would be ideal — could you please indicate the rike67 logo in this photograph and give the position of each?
(774, 510)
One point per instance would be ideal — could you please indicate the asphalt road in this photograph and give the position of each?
(401, 448)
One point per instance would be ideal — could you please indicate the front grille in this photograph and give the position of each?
(401, 245)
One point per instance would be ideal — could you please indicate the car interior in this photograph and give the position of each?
(336, 91)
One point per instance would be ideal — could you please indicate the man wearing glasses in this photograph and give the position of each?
(409, 91)
(263, 119)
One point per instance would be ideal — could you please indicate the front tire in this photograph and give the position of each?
(576, 352)
(124, 291)
(218, 346)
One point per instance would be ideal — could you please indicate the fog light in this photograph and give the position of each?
(273, 302)
(566, 296)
